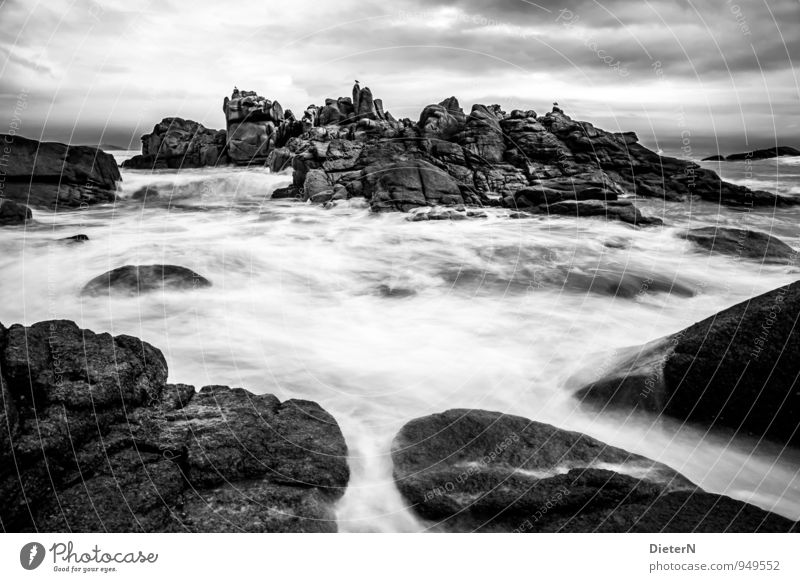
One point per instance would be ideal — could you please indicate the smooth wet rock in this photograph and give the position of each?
(738, 242)
(622, 210)
(146, 456)
(475, 470)
(12, 213)
(736, 371)
(55, 175)
(406, 185)
(136, 279)
(144, 193)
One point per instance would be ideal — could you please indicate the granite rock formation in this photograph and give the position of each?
(549, 164)
(737, 370)
(475, 470)
(180, 143)
(93, 439)
(55, 175)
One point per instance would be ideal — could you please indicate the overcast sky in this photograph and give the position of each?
(106, 71)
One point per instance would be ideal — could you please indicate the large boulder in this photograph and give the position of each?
(146, 456)
(443, 121)
(50, 174)
(180, 143)
(739, 242)
(136, 279)
(737, 371)
(13, 213)
(407, 185)
(474, 470)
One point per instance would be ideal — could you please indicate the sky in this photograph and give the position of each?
(689, 77)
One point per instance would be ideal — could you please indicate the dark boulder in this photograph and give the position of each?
(146, 456)
(739, 242)
(406, 185)
(50, 174)
(13, 213)
(136, 279)
(737, 371)
(474, 470)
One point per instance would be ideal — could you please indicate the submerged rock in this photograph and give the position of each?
(146, 456)
(474, 470)
(13, 213)
(737, 370)
(739, 242)
(136, 279)
(622, 210)
(55, 175)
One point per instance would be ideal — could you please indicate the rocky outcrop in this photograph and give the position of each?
(55, 175)
(255, 125)
(739, 242)
(763, 154)
(474, 470)
(13, 213)
(93, 439)
(137, 279)
(490, 155)
(737, 370)
(180, 143)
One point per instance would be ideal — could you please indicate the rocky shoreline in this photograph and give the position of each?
(352, 147)
(94, 438)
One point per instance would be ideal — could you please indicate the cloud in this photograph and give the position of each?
(121, 66)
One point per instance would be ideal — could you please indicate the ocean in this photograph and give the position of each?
(382, 320)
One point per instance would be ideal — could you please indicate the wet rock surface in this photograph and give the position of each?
(136, 279)
(739, 242)
(737, 370)
(475, 470)
(93, 439)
